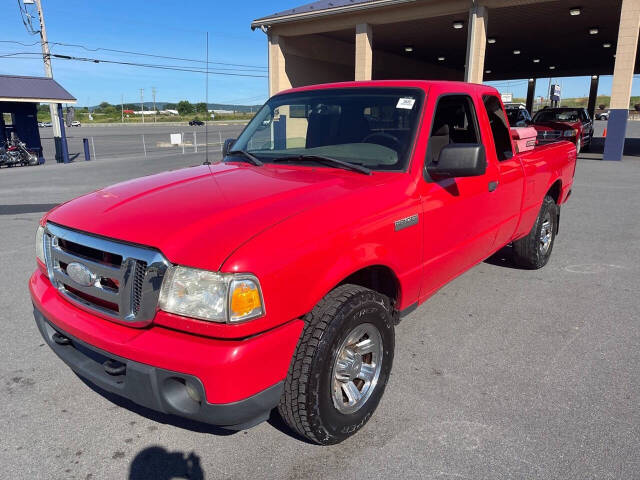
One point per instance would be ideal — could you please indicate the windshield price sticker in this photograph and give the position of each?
(406, 103)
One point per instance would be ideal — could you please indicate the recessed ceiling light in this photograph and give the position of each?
(536, 60)
(516, 52)
(552, 67)
(491, 40)
(441, 59)
(606, 45)
(487, 71)
(593, 31)
(575, 11)
(458, 25)
(408, 49)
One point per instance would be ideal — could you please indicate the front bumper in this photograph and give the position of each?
(237, 382)
(155, 388)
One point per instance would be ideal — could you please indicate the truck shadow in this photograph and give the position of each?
(157, 463)
(159, 417)
(276, 421)
(503, 258)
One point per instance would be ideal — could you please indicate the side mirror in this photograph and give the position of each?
(459, 160)
(226, 147)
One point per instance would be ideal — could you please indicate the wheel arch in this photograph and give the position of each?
(555, 191)
(379, 278)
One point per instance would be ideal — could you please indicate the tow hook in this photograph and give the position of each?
(115, 368)
(61, 339)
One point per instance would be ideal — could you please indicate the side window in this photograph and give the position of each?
(499, 127)
(454, 122)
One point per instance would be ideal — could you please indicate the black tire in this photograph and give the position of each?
(530, 252)
(307, 404)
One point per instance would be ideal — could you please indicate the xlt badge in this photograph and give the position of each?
(406, 222)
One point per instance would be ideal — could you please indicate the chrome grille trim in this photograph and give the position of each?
(549, 134)
(133, 286)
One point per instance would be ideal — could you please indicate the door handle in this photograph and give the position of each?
(493, 186)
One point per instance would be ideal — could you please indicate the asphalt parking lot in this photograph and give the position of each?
(134, 140)
(505, 373)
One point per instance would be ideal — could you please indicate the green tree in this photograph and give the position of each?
(184, 107)
(201, 107)
(170, 106)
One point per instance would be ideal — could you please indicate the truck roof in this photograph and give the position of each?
(461, 87)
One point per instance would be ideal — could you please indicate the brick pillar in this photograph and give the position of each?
(531, 91)
(593, 95)
(364, 52)
(278, 78)
(622, 79)
(476, 44)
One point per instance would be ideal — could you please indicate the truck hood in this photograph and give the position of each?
(198, 216)
(556, 125)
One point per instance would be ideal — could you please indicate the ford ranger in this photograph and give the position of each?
(275, 277)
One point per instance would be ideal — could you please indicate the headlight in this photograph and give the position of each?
(570, 133)
(40, 244)
(211, 296)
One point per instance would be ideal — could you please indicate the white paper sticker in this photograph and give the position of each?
(406, 103)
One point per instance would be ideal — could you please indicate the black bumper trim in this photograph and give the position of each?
(156, 388)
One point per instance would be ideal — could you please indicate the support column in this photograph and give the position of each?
(364, 52)
(593, 95)
(278, 78)
(531, 92)
(622, 79)
(63, 135)
(476, 44)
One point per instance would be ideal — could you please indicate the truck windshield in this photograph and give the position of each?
(548, 115)
(370, 127)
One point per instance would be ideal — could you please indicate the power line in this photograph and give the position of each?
(143, 54)
(178, 68)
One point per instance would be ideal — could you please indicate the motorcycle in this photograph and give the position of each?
(16, 153)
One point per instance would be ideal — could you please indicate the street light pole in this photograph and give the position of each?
(46, 57)
(155, 112)
(142, 103)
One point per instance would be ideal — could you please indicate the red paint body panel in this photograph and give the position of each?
(302, 230)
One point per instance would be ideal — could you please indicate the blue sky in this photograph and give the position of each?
(174, 29)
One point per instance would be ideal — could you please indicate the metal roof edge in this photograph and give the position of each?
(275, 19)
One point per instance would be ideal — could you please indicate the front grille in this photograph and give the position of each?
(119, 281)
(549, 135)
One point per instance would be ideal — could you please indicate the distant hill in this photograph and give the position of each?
(212, 106)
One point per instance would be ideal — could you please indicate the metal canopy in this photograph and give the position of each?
(543, 30)
(14, 88)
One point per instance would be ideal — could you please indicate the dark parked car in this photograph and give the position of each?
(564, 123)
(197, 123)
(518, 115)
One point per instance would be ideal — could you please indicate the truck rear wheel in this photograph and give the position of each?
(341, 365)
(534, 250)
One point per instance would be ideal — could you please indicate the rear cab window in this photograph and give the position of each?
(454, 121)
(500, 130)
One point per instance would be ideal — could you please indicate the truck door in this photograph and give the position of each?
(507, 194)
(458, 217)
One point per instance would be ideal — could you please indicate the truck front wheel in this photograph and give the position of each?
(341, 365)
(534, 250)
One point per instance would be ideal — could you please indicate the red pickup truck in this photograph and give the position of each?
(275, 278)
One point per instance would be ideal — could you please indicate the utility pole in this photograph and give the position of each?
(155, 112)
(121, 108)
(142, 103)
(46, 57)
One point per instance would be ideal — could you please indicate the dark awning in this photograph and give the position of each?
(14, 88)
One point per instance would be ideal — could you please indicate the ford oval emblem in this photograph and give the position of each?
(80, 274)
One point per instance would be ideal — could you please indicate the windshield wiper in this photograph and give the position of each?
(251, 158)
(334, 162)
